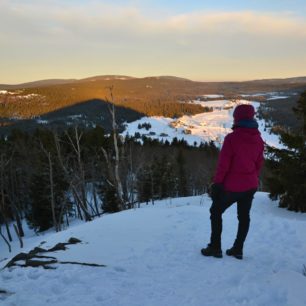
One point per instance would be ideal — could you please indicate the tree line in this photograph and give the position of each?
(49, 177)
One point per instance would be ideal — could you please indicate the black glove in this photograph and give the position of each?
(216, 191)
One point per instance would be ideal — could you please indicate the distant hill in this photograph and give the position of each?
(294, 80)
(246, 85)
(40, 83)
(106, 78)
(168, 77)
(50, 82)
(157, 95)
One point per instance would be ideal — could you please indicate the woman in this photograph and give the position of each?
(236, 179)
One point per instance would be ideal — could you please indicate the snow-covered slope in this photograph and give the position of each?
(153, 258)
(199, 128)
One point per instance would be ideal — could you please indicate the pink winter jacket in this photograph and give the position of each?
(240, 160)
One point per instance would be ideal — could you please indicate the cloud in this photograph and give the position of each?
(49, 18)
(91, 33)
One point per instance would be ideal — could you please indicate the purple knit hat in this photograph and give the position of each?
(243, 111)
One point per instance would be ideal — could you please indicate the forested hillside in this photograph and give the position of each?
(279, 114)
(152, 96)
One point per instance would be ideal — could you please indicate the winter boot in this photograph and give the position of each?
(212, 251)
(235, 252)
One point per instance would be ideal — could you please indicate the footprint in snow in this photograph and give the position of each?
(119, 269)
(34, 274)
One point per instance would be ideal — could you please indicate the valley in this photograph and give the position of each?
(59, 104)
(203, 127)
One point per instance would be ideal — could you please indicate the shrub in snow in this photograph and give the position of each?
(145, 125)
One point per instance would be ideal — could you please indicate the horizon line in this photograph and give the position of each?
(153, 76)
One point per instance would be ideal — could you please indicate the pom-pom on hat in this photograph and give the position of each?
(243, 111)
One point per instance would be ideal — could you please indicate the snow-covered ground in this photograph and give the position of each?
(278, 97)
(152, 257)
(213, 96)
(217, 104)
(270, 95)
(199, 128)
(5, 92)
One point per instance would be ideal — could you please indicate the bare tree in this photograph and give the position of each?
(14, 199)
(56, 223)
(18, 235)
(114, 167)
(6, 241)
(75, 176)
(3, 204)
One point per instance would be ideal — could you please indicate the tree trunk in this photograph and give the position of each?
(52, 193)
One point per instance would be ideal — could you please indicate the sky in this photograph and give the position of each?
(196, 39)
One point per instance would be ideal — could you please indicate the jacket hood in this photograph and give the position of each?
(248, 135)
(243, 112)
(246, 123)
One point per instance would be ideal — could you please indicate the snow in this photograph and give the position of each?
(203, 127)
(42, 121)
(5, 92)
(162, 129)
(254, 95)
(153, 258)
(270, 95)
(213, 96)
(113, 78)
(213, 104)
(18, 94)
(278, 97)
(29, 96)
(76, 116)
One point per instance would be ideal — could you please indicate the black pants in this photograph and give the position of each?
(218, 207)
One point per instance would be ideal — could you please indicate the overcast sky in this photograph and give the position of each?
(196, 39)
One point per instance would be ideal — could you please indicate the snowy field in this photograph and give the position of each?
(199, 128)
(152, 257)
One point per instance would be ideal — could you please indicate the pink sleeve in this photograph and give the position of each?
(259, 161)
(224, 161)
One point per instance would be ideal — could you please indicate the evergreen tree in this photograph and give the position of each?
(42, 194)
(168, 183)
(163, 178)
(144, 184)
(287, 167)
(39, 215)
(110, 199)
(182, 180)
